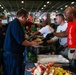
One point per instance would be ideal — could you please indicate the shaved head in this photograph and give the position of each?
(70, 10)
(70, 13)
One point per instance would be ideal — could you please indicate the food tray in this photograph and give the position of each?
(52, 58)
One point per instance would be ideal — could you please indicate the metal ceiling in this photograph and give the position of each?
(34, 5)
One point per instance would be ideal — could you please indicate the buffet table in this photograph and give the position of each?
(58, 59)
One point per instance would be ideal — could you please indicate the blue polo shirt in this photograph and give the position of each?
(14, 37)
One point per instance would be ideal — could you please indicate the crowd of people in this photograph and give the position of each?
(13, 46)
(70, 15)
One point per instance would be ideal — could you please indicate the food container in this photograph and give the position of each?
(52, 58)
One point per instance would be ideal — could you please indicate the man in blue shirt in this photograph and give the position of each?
(14, 44)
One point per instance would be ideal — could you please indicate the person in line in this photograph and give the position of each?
(34, 28)
(60, 20)
(70, 15)
(44, 30)
(14, 44)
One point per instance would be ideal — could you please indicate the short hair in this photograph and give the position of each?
(61, 15)
(21, 12)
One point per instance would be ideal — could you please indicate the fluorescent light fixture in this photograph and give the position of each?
(5, 11)
(72, 2)
(56, 10)
(44, 5)
(61, 8)
(66, 5)
(22, 1)
(47, 2)
(41, 8)
(0, 5)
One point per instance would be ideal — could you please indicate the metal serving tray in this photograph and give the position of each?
(52, 58)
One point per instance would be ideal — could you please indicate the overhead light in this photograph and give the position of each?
(44, 5)
(72, 2)
(56, 10)
(66, 5)
(61, 8)
(0, 5)
(41, 8)
(47, 2)
(4, 10)
(22, 1)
